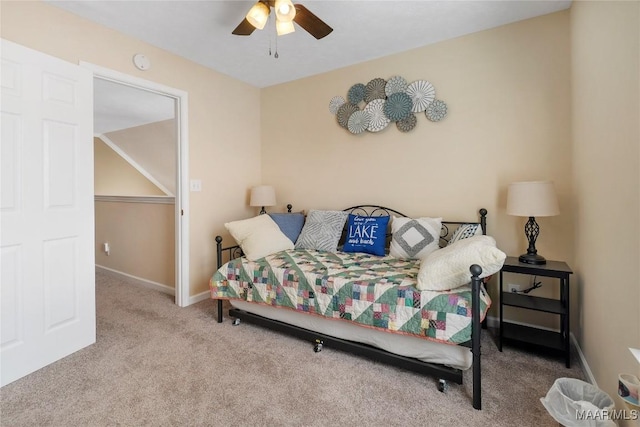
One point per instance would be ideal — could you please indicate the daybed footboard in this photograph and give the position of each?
(476, 331)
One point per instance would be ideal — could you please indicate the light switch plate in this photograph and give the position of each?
(195, 185)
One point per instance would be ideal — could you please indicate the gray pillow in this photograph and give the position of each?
(322, 230)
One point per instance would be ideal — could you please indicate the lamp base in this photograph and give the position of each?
(532, 259)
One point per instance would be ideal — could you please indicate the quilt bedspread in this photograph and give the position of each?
(372, 291)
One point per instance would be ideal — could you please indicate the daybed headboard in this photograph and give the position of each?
(448, 227)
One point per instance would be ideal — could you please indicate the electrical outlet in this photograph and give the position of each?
(513, 288)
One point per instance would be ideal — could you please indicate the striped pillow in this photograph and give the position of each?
(322, 230)
(464, 231)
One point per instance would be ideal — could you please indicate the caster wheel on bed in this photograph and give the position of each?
(442, 386)
(318, 346)
(236, 322)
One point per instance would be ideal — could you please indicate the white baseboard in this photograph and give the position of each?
(494, 322)
(583, 361)
(200, 297)
(153, 285)
(139, 280)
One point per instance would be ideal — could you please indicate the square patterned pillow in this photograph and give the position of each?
(258, 236)
(414, 238)
(366, 234)
(322, 230)
(464, 231)
(290, 223)
(448, 268)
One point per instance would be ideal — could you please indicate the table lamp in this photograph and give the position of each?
(532, 199)
(262, 195)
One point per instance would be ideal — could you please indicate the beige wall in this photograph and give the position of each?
(141, 237)
(114, 176)
(508, 93)
(606, 156)
(141, 234)
(224, 114)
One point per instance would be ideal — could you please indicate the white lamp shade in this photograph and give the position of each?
(258, 15)
(285, 11)
(533, 198)
(263, 195)
(283, 27)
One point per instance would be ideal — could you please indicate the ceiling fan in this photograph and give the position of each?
(286, 14)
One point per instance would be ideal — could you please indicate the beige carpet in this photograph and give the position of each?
(155, 364)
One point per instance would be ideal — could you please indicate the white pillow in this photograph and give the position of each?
(258, 236)
(414, 238)
(448, 268)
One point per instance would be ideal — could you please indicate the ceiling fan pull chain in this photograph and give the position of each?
(275, 36)
(269, 18)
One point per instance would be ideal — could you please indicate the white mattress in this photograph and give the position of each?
(428, 351)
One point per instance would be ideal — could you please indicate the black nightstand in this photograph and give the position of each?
(511, 332)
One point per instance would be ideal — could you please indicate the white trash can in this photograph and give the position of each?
(575, 403)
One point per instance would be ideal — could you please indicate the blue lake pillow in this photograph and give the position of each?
(366, 234)
(290, 223)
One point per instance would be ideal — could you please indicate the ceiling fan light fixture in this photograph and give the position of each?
(284, 27)
(258, 15)
(285, 11)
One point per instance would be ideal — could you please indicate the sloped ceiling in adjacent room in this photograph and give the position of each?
(141, 125)
(153, 148)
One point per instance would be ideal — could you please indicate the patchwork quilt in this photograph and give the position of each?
(376, 292)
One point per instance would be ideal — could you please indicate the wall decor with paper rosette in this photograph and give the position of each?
(372, 106)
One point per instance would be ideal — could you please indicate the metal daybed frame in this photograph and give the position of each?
(442, 372)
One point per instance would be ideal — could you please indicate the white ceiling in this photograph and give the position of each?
(201, 32)
(117, 106)
(362, 30)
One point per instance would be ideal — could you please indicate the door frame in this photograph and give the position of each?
(182, 168)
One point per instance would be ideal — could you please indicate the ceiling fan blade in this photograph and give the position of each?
(244, 28)
(310, 22)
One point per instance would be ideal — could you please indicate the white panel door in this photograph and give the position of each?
(47, 288)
